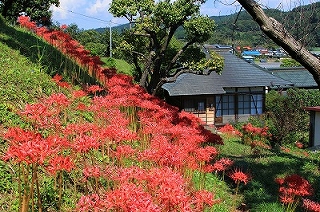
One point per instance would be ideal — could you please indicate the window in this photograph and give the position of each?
(250, 104)
(244, 104)
(201, 106)
(247, 104)
(256, 104)
(192, 105)
(188, 105)
(225, 105)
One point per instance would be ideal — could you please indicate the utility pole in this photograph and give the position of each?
(110, 39)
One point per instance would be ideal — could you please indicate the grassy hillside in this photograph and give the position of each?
(20, 73)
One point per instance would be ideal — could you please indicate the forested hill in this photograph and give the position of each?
(300, 21)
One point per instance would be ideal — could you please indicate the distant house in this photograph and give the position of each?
(252, 53)
(236, 94)
(298, 76)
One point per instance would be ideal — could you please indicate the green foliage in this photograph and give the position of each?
(96, 49)
(288, 62)
(38, 10)
(286, 112)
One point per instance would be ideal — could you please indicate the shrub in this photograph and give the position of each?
(286, 114)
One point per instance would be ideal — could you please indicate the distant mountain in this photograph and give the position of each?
(300, 21)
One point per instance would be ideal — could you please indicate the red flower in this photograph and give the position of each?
(60, 163)
(206, 154)
(311, 205)
(222, 164)
(292, 186)
(92, 171)
(239, 176)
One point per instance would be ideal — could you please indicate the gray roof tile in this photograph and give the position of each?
(236, 73)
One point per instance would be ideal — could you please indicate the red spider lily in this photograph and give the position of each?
(239, 176)
(211, 138)
(81, 107)
(57, 78)
(202, 198)
(250, 129)
(310, 205)
(94, 89)
(60, 163)
(170, 188)
(299, 144)
(222, 164)
(206, 154)
(130, 197)
(91, 202)
(294, 185)
(63, 27)
(123, 151)
(78, 94)
(261, 144)
(41, 115)
(286, 199)
(28, 147)
(229, 129)
(57, 99)
(85, 143)
(64, 84)
(92, 171)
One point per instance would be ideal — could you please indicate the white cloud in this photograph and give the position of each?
(101, 6)
(63, 11)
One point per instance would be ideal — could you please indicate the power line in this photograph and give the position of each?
(91, 17)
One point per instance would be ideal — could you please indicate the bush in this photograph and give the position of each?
(287, 120)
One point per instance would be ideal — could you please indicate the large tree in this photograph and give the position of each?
(38, 10)
(276, 31)
(153, 24)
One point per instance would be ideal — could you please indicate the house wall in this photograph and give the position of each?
(212, 109)
(314, 133)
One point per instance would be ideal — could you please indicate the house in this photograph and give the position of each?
(235, 95)
(298, 76)
(314, 134)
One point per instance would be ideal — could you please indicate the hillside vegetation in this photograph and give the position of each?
(239, 29)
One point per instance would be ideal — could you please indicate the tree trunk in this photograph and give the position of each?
(276, 31)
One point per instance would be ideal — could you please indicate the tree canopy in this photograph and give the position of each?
(38, 10)
(152, 28)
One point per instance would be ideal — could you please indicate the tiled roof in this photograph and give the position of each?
(236, 73)
(300, 77)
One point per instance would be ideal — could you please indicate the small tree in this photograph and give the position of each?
(153, 25)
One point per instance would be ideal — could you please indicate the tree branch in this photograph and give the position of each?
(276, 31)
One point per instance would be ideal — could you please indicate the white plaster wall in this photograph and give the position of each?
(317, 129)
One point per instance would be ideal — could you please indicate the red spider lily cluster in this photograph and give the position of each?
(228, 129)
(165, 145)
(133, 151)
(256, 137)
(292, 188)
(71, 48)
(255, 131)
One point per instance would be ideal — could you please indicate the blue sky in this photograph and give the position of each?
(91, 14)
